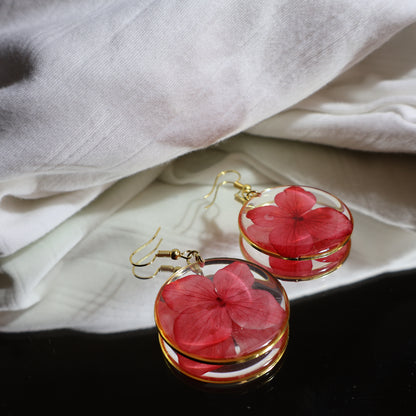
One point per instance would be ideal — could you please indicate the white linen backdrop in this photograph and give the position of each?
(116, 116)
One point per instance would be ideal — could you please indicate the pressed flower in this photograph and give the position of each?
(294, 228)
(260, 235)
(196, 368)
(219, 317)
(291, 268)
(305, 268)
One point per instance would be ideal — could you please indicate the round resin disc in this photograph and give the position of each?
(225, 311)
(295, 222)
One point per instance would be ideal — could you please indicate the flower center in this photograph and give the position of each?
(298, 218)
(220, 301)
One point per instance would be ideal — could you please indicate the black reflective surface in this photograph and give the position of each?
(351, 352)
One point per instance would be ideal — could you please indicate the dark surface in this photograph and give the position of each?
(351, 352)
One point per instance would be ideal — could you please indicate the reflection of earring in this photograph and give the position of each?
(220, 320)
(295, 232)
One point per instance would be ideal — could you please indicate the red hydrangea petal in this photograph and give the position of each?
(295, 201)
(230, 288)
(290, 268)
(223, 350)
(265, 216)
(291, 238)
(260, 312)
(259, 236)
(249, 340)
(328, 227)
(337, 256)
(195, 368)
(241, 270)
(189, 291)
(167, 317)
(200, 327)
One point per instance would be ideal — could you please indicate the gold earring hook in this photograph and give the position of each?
(174, 254)
(216, 186)
(244, 194)
(143, 246)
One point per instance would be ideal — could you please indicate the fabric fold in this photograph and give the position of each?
(370, 107)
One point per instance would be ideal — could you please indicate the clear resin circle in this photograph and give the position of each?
(295, 222)
(225, 311)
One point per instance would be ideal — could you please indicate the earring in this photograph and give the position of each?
(219, 320)
(294, 232)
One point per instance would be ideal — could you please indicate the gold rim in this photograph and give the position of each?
(249, 377)
(243, 358)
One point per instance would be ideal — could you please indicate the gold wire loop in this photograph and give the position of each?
(189, 254)
(244, 194)
(174, 254)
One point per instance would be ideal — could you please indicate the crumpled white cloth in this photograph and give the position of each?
(96, 97)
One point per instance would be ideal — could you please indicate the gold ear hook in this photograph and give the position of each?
(244, 194)
(138, 263)
(162, 268)
(173, 254)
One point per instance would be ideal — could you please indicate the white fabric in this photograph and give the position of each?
(94, 92)
(370, 107)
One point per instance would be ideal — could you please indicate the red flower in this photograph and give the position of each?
(291, 268)
(292, 228)
(219, 318)
(305, 268)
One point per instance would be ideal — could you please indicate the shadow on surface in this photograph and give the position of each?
(15, 65)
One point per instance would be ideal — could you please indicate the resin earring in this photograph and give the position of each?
(294, 232)
(220, 320)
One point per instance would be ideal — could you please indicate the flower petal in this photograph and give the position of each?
(195, 367)
(241, 270)
(230, 288)
(295, 201)
(290, 268)
(265, 216)
(201, 326)
(222, 350)
(338, 256)
(291, 239)
(166, 317)
(328, 227)
(260, 312)
(189, 291)
(259, 236)
(250, 340)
